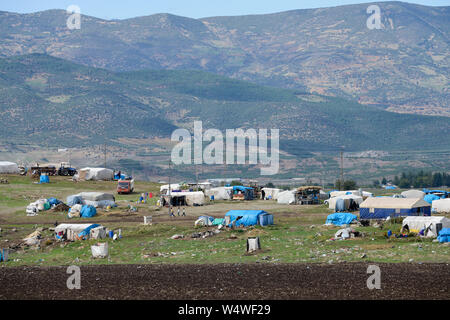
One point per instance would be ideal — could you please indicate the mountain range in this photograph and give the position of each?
(48, 100)
(402, 67)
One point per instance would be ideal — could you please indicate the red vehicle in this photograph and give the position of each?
(125, 186)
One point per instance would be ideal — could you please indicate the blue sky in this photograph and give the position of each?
(189, 8)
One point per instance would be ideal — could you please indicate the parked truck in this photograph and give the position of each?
(125, 186)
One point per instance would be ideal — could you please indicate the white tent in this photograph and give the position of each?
(7, 167)
(271, 192)
(396, 203)
(96, 174)
(196, 197)
(337, 193)
(332, 201)
(323, 195)
(220, 193)
(164, 189)
(286, 197)
(415, 224)
(97, 199)
(360, 193)
(413, 194)
(71, 230)
(441, 205)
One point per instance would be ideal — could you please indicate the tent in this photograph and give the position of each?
(444, 235)
(204, 221)
(7, 167)
(44, 179)
(98, 199)
(332, 202)
(441, 206)
(88, 211)
(340, 218)
(336, 193)
(413, 194)
(164, 189)
(286, 197)
(249, 217)
(184, 198)
(73, 200)
(383, 207)
(323, 195)
(243, 193)
(95, 199)
(96, 174)
(416, 224)
(76, 231)
(219, 193)
(270, 193)
(430, 198)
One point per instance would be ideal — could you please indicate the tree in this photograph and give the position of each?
(384, 181)
(376, 183)
(270, 185)
(347, 185)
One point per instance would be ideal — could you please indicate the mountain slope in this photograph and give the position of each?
(44, 99)
(403, 67)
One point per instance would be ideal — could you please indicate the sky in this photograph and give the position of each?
(120, 9)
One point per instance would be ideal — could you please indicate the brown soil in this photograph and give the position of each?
(221, 281)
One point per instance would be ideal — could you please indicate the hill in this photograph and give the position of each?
(403, 67)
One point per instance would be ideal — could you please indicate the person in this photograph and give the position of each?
(178, 211)
(184, 213)
(171, 212)
(119, 175)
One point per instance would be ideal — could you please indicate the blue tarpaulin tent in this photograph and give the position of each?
(431, 197)
(247, 191)
(340, 218)
(73, 200)
(44, 179)
(53, 201)
(444, 235)
(86, 231)
(88, 211)
(390, 187)
(250, 217)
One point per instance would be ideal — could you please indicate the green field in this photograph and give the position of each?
(298, 234)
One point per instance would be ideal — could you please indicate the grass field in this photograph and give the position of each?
(298, 236)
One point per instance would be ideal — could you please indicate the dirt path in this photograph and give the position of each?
(251, 281)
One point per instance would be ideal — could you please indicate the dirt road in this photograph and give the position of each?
(223, 281)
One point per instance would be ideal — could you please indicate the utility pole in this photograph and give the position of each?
(105, 154)
(342, 172)
(170, 194)
(196, 178)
